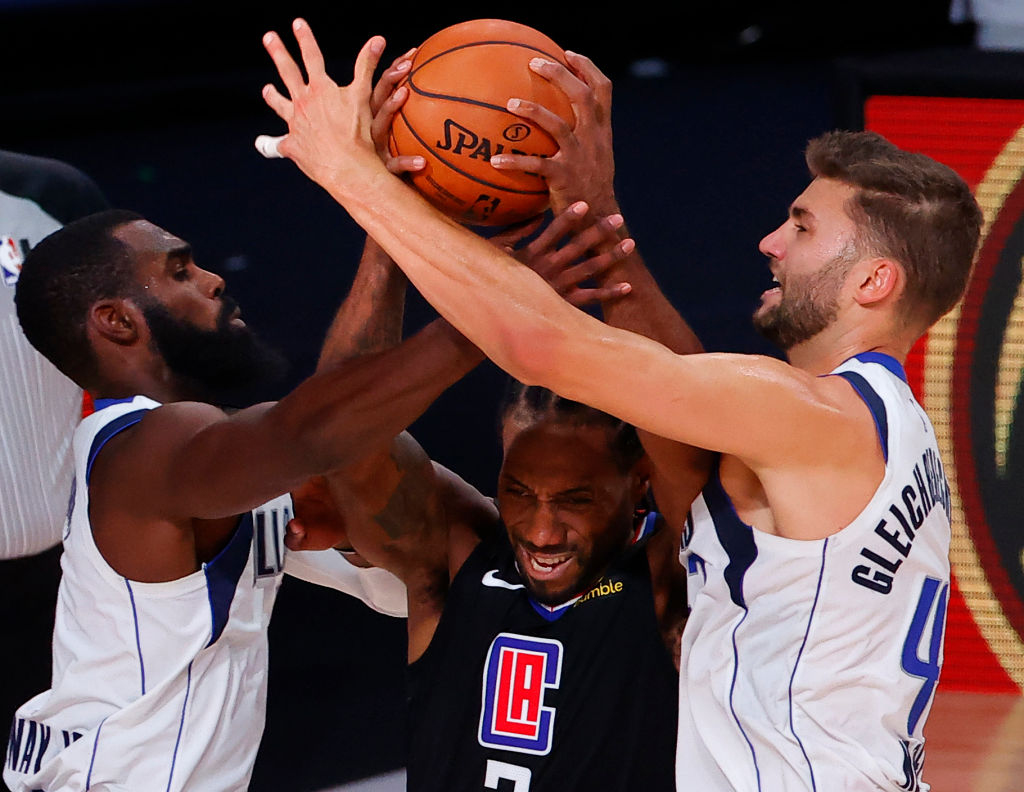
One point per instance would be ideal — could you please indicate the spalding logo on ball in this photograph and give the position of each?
(456, 118)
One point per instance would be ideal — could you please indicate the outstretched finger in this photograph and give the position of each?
(555, 73)
(394, 74)
(602, 234)
(277, 103)
(508, 239)
(312, 57)
(598, 264)
(267, 145)
(586, 70)
(366, 63)
(384, 116)
(598, 294)
(286, 66)
(560, 226)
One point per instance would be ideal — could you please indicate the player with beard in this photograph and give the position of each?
(160, 643)
(819, 548)
(528, 613)
(171, 561)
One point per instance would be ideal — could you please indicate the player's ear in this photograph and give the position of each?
(116, 319)
(877, 279)
(641, 478)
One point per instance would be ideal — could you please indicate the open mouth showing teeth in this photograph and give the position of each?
(547, 565)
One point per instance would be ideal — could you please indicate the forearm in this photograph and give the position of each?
(370, 318)
(341, 414)
(392, 515)
(679, 471)
(480, 290)
(646, 309)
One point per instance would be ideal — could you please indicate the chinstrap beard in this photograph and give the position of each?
(217, 365)
(809, 304)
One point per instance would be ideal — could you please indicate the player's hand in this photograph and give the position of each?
(385, 102)
(574, 250)
(317, 524)
(329, 127)
(583, 168)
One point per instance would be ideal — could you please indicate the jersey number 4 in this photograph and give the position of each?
(930, 617)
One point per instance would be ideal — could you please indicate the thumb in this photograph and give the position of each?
(295, 534)
(267, 145)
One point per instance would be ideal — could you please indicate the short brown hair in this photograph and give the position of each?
(910, 208)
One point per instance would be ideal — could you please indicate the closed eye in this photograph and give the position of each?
(576, 499)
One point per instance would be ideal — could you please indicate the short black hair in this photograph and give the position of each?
(62, 278)
(533, 403)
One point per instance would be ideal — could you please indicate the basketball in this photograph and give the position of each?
(456, 118)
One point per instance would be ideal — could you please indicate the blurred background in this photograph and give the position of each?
(159, 102)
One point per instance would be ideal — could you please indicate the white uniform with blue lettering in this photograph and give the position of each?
(156, 686)
(811, 665)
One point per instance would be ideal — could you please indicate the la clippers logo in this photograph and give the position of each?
(12, 253)
(518, 671)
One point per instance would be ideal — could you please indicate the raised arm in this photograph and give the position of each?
(583, 169)
(746, 405)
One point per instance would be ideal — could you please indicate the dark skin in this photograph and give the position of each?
(568, 507)
(400, 512)
(165, 494)
(421, 521)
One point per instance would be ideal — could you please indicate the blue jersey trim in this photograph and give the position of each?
(735, 536)
(138, 640)
(102, 404)
(119, 424)
(547, 613)
(92, 759)
(223, 574)
(882, 359)
(181, 726)
(737, 539)
(874, 403)
(807, 632)
(732, 690)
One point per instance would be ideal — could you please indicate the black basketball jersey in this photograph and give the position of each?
(513, 696)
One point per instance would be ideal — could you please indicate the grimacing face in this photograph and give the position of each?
(810, 255)
(567, 507)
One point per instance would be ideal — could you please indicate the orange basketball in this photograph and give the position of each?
(455, 117)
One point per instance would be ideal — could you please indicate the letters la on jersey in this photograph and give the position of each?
(518, 671)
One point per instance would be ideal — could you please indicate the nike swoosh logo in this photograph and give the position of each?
(490, 579)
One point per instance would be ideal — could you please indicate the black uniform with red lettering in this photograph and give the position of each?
(514, 696)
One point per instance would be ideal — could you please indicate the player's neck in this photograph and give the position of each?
(160, 385)
(820, 356)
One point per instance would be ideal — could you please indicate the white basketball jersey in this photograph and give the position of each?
(811, 665)
(156, 686)
(39, 406)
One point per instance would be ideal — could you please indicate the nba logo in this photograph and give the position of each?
(518, 671)
(10, 260)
